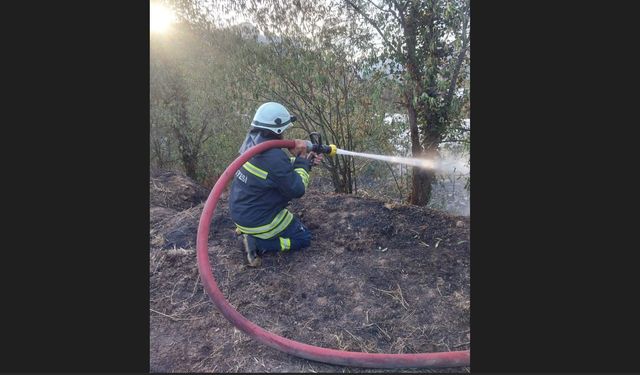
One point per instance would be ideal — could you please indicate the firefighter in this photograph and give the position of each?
(264, 186)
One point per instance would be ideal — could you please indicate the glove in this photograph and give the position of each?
(300, 149)
(314, 159)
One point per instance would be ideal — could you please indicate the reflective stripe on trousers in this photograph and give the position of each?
(265, 232)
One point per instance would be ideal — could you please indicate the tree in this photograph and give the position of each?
(311, 67)
(323, 88)
(341, 65)
(170, 96)
(192, 100)
(429, 39)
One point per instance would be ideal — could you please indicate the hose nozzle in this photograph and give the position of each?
(322, 149)
(316, 145)
(334, 150)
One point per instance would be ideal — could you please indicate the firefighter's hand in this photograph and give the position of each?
(300, 148)
(315, 158)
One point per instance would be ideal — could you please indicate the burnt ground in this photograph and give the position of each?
(174, 191)
(377, 278)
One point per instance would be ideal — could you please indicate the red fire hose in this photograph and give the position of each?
(315, 353)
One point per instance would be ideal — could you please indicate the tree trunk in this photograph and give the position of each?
(336, 178)
(424, 178)
(421, 179)
(420, 187)
(190, 165)
(189, 151)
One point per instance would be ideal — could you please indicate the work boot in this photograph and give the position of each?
(251, 250)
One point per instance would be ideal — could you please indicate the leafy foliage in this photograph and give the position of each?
(342, 66)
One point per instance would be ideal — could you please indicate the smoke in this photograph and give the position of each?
(451, 164)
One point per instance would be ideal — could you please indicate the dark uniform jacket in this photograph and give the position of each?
(263, 187)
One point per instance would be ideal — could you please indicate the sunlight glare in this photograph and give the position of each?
(160, 18)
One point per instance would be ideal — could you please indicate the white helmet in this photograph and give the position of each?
(273, 116)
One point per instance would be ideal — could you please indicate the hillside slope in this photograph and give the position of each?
(376, 278)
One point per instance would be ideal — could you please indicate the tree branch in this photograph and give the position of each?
(383, 10)
(375, 26)
(456, 71)
(395, 179)
(456, 141)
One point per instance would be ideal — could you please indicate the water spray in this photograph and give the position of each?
(442, 166)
